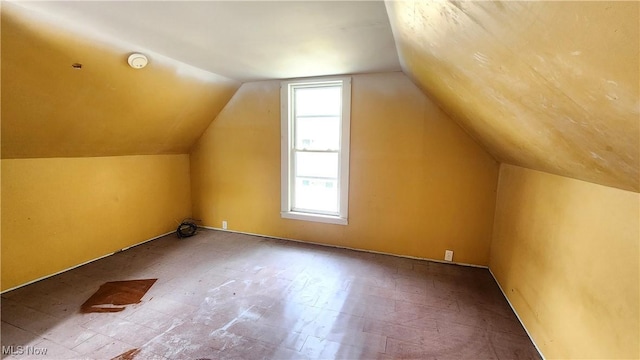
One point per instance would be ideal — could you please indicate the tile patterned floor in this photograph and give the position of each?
(231, 296)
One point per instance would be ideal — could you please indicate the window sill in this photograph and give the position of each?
(314, 217)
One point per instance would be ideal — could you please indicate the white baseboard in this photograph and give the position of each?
(304, 242)
(346, 247)
(515, 312)
(402, 256)
(86, 262)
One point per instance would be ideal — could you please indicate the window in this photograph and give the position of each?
(315, 149)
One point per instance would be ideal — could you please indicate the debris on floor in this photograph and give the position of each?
(112, 296)
(127, 355)
(187, 228)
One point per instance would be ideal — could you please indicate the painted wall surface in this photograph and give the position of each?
(50, 109)
(60, 212)
(246, 40)
(418, 183)
(566, 253)
(547, 85)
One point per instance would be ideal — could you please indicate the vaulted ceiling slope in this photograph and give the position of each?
(50, 109)
(246, 40)
(551, 86)
(199, 54)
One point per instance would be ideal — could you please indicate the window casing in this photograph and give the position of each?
(315, 149)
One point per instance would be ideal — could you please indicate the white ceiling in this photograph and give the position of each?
(243, 40)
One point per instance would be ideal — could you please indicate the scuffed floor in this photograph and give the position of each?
(232, 296)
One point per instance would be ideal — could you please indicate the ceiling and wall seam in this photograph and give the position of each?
(547, 86)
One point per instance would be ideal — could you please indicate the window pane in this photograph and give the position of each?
(316, 195)
(318, 133)
(324, 165)
(318, 101)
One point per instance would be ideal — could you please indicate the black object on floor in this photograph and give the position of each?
(186, 228)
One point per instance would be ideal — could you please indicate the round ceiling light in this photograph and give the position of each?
(137, 61)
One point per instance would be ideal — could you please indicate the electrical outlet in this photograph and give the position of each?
(448, 255)
(224, 224)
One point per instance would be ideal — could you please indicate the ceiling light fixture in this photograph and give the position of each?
(137, 61)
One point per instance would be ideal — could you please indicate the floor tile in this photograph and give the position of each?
(233, 296)
(12, 335)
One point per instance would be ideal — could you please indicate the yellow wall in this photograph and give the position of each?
(566, 253)
(418, 183)
(83, 193)
(60, 212)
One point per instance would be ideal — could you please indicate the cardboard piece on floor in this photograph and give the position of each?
(127, 355)
(113, 295)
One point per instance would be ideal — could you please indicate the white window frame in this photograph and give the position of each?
(287, 151)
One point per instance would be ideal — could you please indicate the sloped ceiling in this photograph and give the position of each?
(551, 86)
(246, 40)
(199, 52)
(106, 108)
